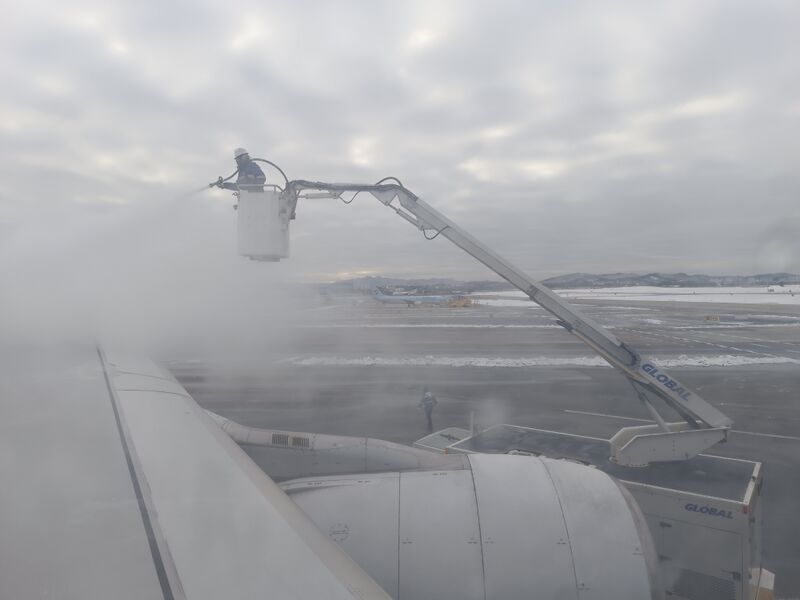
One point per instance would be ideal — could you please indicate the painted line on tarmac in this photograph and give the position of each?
(596, 414)
(769, 435)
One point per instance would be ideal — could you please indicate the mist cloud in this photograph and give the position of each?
(571, 137)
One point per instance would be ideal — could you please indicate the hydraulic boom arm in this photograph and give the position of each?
(704, 425)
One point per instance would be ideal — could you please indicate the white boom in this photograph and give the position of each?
(704, 425)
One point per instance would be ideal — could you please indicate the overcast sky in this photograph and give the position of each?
(596, 137)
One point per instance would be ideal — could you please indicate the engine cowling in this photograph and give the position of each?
(505, 527)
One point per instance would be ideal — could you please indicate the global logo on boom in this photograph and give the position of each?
(665, 380)
(709, 510)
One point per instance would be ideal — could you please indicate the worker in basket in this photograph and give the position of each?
(250, 176)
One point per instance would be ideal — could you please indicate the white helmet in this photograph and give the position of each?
(239, 152)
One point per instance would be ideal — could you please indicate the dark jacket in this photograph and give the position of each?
(251, 178)
(428, 402)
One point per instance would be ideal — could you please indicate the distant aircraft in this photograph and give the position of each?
(405, 292)
(441, 300)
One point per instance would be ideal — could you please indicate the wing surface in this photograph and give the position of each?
(117, 485)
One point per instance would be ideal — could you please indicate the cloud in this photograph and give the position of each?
(710, 105)
(570, 137)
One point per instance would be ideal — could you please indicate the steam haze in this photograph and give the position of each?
(568, 136)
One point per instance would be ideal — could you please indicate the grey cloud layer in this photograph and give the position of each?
(571, 136)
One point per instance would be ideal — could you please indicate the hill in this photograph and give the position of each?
(571, 280)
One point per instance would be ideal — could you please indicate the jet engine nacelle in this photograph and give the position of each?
(506, 527)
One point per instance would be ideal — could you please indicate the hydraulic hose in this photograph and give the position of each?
(272, 164)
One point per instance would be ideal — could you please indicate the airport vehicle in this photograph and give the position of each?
(264, 221)
(416, 299)
(707, 529)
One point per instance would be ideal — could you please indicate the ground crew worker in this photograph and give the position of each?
(250, 176)
(427, 402)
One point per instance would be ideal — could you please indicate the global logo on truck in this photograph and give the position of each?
(665, 380)
(708, 510)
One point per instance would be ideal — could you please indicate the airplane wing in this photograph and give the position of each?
(116, 484)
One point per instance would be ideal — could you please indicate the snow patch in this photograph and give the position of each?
(426, 326)
(447, 361)
(721, 360)
(730, 295)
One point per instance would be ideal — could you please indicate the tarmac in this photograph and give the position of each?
(358, 368)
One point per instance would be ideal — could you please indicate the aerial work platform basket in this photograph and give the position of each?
(263, 231)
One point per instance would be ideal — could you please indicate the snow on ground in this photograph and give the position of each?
(505, 300)
(723, 360)
(719, 360)
(736, 325)
(445, 361)
(359, 325)
(732, 295)
(653, 321)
